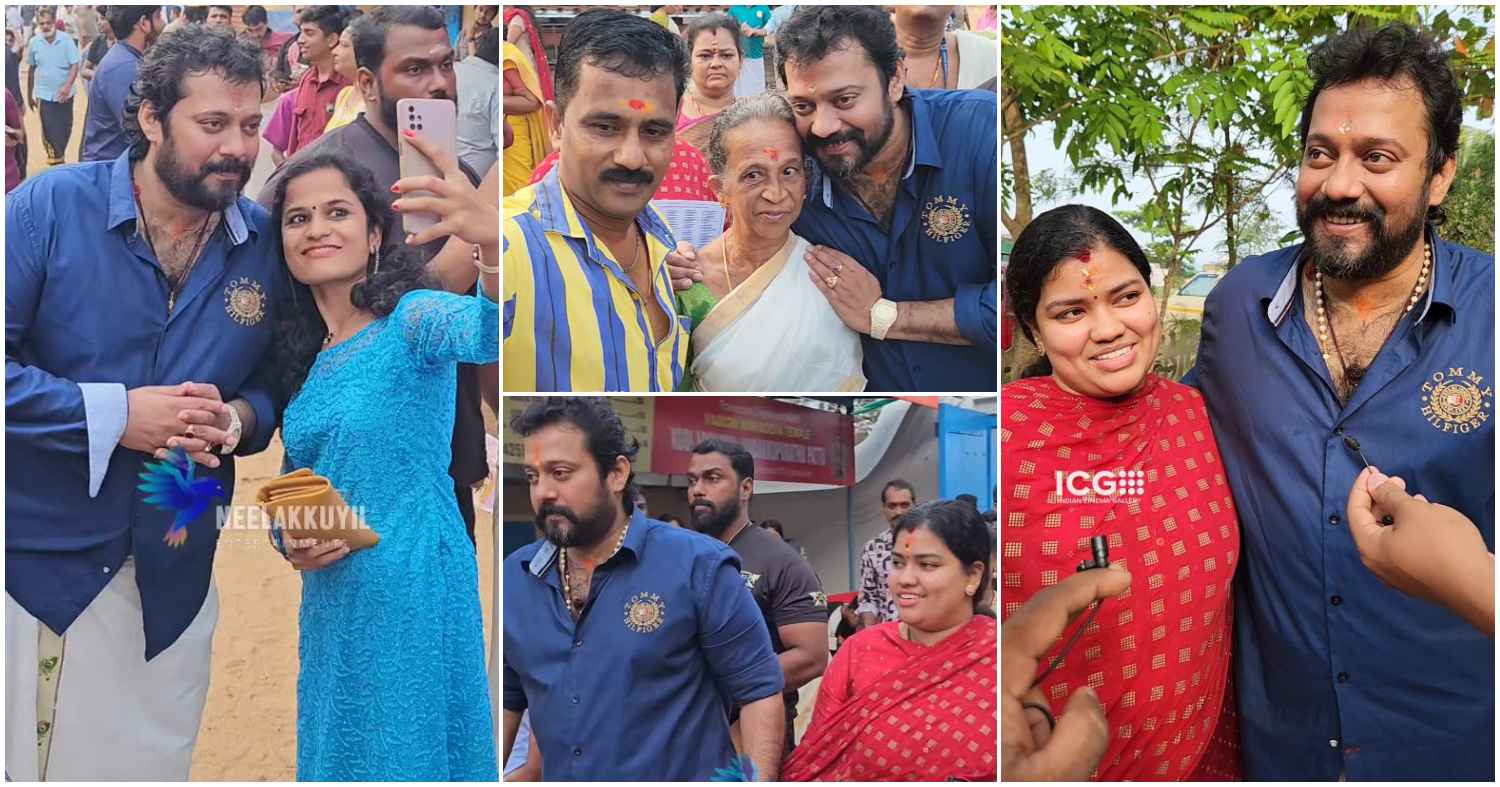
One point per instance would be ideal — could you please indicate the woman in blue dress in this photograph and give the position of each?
(392, 684)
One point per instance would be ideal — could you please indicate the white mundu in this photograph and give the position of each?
(116, 716)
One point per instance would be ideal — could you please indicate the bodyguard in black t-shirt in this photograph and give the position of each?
(721, 481)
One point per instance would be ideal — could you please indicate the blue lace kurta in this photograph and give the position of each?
(393, 684)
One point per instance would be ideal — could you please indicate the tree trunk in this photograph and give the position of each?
(1231, 246)
(1021, 172)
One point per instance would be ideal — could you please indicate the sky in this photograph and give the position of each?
(1042, 155)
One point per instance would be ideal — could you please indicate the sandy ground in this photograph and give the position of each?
(249, 730)
(250, 724)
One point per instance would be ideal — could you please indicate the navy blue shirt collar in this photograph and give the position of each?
(122, 203)
(1279, 305)
(540, 565)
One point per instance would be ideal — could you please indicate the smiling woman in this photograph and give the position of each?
(1087, 411)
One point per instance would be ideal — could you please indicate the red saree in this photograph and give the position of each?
(1159, 657)
(892, 710)
(539, 52)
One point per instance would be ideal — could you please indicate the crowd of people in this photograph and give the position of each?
(1284, 602)
(304, 73)
(153, 310)
(856, 248)
(715, 627)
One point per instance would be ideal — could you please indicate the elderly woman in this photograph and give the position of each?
(925, 683)
(759, 323)
(714, 53)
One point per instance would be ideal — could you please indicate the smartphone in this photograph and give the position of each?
(435, 120)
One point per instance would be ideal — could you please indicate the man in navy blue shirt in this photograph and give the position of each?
(125, 280)
(622, 632)
(1372, 340)
(137, 27)
(901, 210)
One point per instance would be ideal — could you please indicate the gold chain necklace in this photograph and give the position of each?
(567, 582)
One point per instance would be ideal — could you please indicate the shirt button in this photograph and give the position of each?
(577, 643)
(106, 569)
(1336, 600)
(1333, 744)
(917, 368)
(1343, 677)
(1338, 432)
(1160, 541)
(577, 752)
(575, 700)
(1334, 520)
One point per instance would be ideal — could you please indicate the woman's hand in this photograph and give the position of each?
(311, 554)
(855, 291)
(462, 211)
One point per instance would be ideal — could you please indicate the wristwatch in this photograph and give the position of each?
(236, 428)
(882, 317)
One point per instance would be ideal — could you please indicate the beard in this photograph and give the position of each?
(587, 529)
(1391, 238)
(842, 169)
(388, 104)
(715, 520)
(191, 188)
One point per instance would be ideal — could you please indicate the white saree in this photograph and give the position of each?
(776, 332)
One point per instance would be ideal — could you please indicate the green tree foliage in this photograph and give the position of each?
(1201, 101)
(1471, 202)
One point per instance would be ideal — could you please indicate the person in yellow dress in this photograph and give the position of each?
(349, 104)
(523, 113)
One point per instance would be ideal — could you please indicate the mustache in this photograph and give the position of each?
(635, 177)
(228, 166)
(1321, 207)
(552, 509)
(837, 138)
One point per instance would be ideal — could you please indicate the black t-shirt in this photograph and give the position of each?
(97, 48)
(784, 587)
(360, 142)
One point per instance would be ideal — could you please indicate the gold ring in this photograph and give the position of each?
(831, 281)
(189, 431)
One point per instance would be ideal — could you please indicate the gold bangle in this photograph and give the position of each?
(480, 264)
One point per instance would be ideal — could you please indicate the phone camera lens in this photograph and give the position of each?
(419, 126)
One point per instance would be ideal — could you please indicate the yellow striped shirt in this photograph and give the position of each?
(573, 320)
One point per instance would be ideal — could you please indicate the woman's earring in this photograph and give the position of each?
(1040, 350)
(377, 262)
(969, 591)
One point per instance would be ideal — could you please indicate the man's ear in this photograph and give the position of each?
(553, 118)
(365, 83)
(151, 123)
(1442, 181)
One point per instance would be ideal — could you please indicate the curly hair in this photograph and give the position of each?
(188, 51)
(601, 426)
(1390, 55)
(813, 32)
(300, 328)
